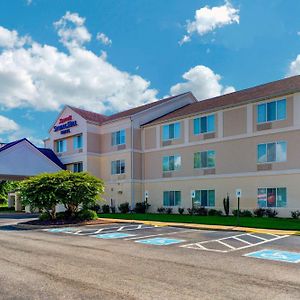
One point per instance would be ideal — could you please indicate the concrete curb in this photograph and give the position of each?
(207, 227)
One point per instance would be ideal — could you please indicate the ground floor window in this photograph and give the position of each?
(272, 197)
(204, 198)
(118, 167)
(172, 198)
(78, 167)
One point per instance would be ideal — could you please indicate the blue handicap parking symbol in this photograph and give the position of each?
(65, 229)
(285, 256)
(160, 241)
(113, 235)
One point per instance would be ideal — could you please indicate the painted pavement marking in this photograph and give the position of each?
(64, 229)
(204, 245)
(277, 255)
(112, 235)
(160, 234)
(160, 241)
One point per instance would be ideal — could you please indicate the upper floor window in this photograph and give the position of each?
(61, 146)
(271, 152)
(204, 124)
(172, 198)
(205, 197)
(118, 167)
(171, 131)
(118, 138)
(77, 141)
(205, 159)
(78, 167)
(272, 197)
(171, 163)
(271, 111)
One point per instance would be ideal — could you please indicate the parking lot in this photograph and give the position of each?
(141, 261)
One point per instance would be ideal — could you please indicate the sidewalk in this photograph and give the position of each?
(207, 227)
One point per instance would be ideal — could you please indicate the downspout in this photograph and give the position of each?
(132, 165)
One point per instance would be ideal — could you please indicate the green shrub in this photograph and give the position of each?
(259, 212)
(226, 204)
(200, 211)
(271, 213)
(124, 208)
(215, 212)
(44, 216)
(295, 214)
(141, 207)
(96, 207)
(161, 210)
(169, 210)
(181, 210)
(105, 209)
(87, 215)
(190, 211)
(113, 209)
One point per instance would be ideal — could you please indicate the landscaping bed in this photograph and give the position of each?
(254, 222)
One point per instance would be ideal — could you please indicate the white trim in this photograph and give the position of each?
(220, 129)
(249, 118)
(230, 138)
(186, 130)
(157, 131)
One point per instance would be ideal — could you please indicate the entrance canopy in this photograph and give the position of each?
(21, 159)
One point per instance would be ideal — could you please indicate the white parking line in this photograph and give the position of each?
(204, 244)
(159, 234)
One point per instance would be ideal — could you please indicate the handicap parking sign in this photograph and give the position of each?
(277, 255)
(113, 235)
(160, 241)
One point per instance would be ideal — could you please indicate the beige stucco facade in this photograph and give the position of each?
(234, 140)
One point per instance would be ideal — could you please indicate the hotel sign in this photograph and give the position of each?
(65, 124)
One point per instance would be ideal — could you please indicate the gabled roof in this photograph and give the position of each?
(47, 152)
(261, 92)
(100, 119)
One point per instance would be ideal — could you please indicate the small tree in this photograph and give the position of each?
(77, 189)
(226, 205)
(40, 192)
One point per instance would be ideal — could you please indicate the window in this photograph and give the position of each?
(271, 152)
(77, 141)
(271, 111)
(118, 138)
(172, 198)
(118, 167)
(271, 197)
(171, 163)
(205, 159)
(205, 197)
(171, 131)
(61, 146)
(77, 167)
(204, 124)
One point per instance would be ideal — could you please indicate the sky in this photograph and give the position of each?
(109, 55)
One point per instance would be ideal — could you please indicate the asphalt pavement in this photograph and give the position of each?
(135, 261)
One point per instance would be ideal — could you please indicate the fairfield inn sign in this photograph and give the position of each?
(64, 124)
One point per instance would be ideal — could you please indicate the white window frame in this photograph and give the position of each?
(114, 135)
(199, 118)
(115, 161)
(77, 164)
(168, 157)
(168, 125)
(75, 141)
(276, 189)
(203, 168)
(61, 146)
(266, 116)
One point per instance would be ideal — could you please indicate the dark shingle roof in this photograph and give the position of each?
(99, 118)
(47, 152)
(261, 92)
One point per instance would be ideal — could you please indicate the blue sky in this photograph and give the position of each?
(111, 55)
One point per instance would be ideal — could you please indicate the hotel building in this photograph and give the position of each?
(180, 152)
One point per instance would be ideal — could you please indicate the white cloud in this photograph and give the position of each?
(202, 82)
(208, 19)
(41, 77)
(185, 39)
(11, 39)
(7, 125)
(104, 39)
(71, 30)
(294, 67)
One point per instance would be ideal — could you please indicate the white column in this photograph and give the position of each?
(296, 110)
(186, 130)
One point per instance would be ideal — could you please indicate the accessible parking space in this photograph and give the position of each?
(189, 239)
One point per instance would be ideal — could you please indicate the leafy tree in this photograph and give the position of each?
(45, 191)
(40, 192)
(79, 189)
(6, 186)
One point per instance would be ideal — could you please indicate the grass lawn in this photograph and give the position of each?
(255, 222)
